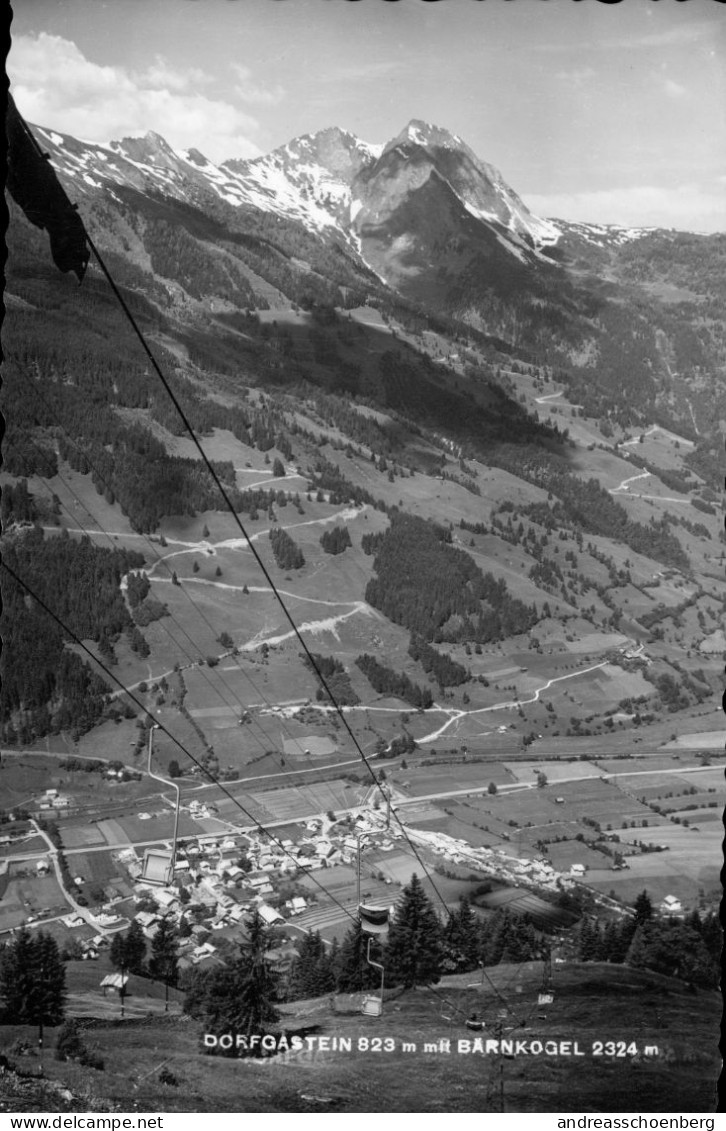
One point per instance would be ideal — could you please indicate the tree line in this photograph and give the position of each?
(47, 688)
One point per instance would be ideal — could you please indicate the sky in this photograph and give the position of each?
(607, 113)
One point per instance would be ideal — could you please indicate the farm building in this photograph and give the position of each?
(115, 982)
(42, 866)
(577, 870)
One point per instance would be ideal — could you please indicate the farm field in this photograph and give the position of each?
(526, 903)
(78, 836)
(29, 846)
(300, 801)
(692, 862)
(650, 763)
(28, 894)
(563, 856)
(707, 740)
(422, 780)
(553, 771)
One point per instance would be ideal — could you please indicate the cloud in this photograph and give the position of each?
(674, 89)
(579, 76)
(683, 35)
(361, 72)
(688, 207)
(54, 85)
(247, 90)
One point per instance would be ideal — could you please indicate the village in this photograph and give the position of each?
(299, 881)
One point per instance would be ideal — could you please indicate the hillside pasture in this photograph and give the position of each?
(84, 510)
(593, 1001)
(595, 642)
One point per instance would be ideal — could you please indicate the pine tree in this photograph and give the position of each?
(675, 949)
(643, 908)
(589, 940)
(493, 938)
(117, 951)
(128, 950)
(162, 964)
(311, 974)
(353, 973)
(414, 951)
(32, 981)
(461, 937)
(135, 948)
(240, 999)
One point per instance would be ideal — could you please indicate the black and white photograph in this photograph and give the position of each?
(362, 560)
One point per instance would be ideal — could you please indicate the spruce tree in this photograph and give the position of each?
(135, 948)
(461, 938)
(128, 950)
(493, 938)
(643, 908)
(32, 981)
(353, 972)
(414, 951)
(162, 964)
(240, 998)
(311, 974)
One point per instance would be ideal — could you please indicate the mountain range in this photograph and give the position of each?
(421, 220)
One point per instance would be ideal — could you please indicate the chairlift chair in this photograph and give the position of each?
(158, 867)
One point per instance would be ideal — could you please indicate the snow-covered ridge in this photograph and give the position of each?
(603, 235)
(323, 180)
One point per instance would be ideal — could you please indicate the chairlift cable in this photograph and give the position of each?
(258, 826)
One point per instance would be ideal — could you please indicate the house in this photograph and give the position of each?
(115, 982)
(105, 920)
(166, 899)
(146, 918)
(298, 905)
(257, 882)
(577, 869)
(671, 905)
(42, 866)
(268, 914)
